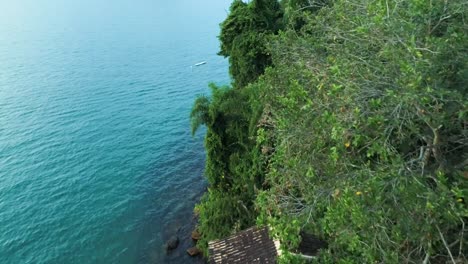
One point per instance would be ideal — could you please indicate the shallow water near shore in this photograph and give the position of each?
(97, 164)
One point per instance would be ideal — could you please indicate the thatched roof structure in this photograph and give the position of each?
(254, 245)
(249, 246)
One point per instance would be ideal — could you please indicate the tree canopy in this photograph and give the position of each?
(346, 119)
(244, 35)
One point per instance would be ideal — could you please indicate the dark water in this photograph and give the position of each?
(97, 164)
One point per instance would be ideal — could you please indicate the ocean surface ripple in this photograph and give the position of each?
(96, 156)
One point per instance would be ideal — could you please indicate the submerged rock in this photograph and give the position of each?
(196, 235)
(193, 251)
(172, 243)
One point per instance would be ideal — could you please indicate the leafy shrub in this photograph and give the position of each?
(356, 132)
(370, 131)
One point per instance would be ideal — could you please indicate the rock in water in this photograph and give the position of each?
(172, 243)
(193, 251)
(196, 235)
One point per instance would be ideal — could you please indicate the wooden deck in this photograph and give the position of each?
(252, 245)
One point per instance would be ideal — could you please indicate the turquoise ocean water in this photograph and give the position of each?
(96, 157)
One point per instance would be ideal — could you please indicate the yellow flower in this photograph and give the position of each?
(460, 200)
(358, 193)
(347, 144)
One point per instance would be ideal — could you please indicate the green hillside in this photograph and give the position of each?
(347, 119)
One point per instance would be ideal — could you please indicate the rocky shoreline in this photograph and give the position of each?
(180, 238)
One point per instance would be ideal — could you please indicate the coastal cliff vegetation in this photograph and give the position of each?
(347, 119)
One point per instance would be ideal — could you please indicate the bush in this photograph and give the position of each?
(370, 131)
(356, 132)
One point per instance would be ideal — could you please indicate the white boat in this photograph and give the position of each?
(200, 63)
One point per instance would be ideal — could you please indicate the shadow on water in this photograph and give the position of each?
(170, 210)
(184, 224)
(178, 223)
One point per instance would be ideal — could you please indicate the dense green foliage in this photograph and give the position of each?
(244, 35)
(230, 169)
(356, 132)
